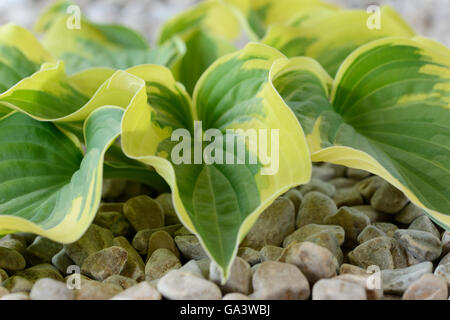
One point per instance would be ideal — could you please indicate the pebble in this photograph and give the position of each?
(193, 267)
(443, 269)
(161, 262)
(409, 214)
(183, 231)
(423, 223)
(141, 291)
(348, 197)
(335, 289)
(363, 280)
(312, 231)
(178, 285)
(17, 284)
(3, 275)
(190, 247)
(445, 240)
(369, 233)
(121, 281)
(314, 261)
(351, 220)
(357, 174)
(239, 279)
(95, 239)
(342, 182)
(279, 281)
(296, 197)
(319, 186)
(105, 263)
(388, 199)
(383, 252)
(3, 291)
(422, 245)
(387, 228)
(42, 250)
(427, 287)
(144, 213)
(203, 264)
(397, 281)
(374, 215)
(39, 271)
(141, 239)
(16, 296)
(11, 260)
(322, 173)
(270, 253)
(94, 290)
(13, 244)
(250, 255)
(62, 261)
(165, 201)
(315, 208)
(235, 296)
(50, 289)
(161, 239)
(368, 186)
(114, 221)
(351, 269)
(111, 207)
(13, 236)
(134, 267)
(272, 226)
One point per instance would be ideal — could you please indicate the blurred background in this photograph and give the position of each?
(430, 18)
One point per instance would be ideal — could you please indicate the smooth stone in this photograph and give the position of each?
(443, 271)
(105, 263)
(384, 252)
(94, 290)
(323, 173)
(11, 260)
(445, 240)
(279, 281)
(114, 221)
(190, 247)
(342, 182)
(397, 281)
(17, 284)
(62, 261)
(351, 220)
(348, 197)
(410, 213)
(334, 289)
(3, 276)
(178, 285)
(161, 239)
(318, 186)
(239, 278)
(141, 291)
(3, 291)
(15, 236)
(235, 296)
(160, 263)
(144, 213)
(50, 289)
(374, 215)
(121, 281)
(423, 223)
(183, 231)
(388, 199)
(193, 267)
(13, 244)
(250, 255)
(16, 296)
(357, 174)
(111, 207)
(311, 231)
(40, 271)
(95, 239)
(427, 287)
(369, 233)
(165, 201)
(346, 268)
(339, 171)
(27, 236)
(314, 261)
(315, 208)
(365, 282)
(296, 197)
(270, 253)
(369, 186)
(141, 239)
(134, 267)
(203, 264)
(42, 250)
(113, 188)
(272, 226)
(421, 245)
(386, 227)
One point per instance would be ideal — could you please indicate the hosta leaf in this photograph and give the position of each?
(330, 36)
(208, 30)
(389, 114)
(48, 186)
(219, 202)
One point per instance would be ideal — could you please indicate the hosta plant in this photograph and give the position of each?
(316, 80)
